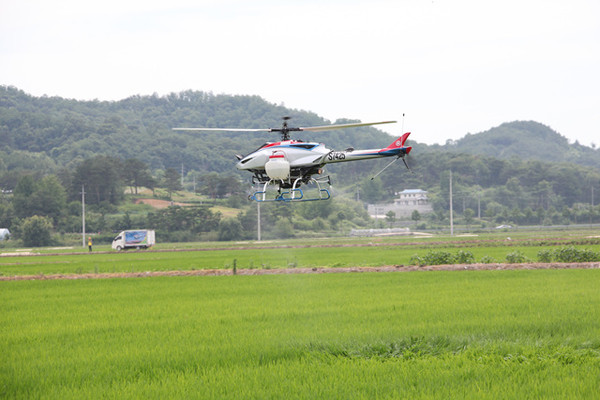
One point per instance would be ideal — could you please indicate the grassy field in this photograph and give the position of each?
(338, 252)
(470, 334)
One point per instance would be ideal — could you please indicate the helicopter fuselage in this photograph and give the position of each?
(297, 153)
(291, 159)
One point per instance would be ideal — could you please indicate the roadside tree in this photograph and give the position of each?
(36, 231)
(101, 178)
(172, 181)
(136, 174)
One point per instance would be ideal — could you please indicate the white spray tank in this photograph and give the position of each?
(278, 167)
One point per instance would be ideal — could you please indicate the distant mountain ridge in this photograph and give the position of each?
(49, 133)
(527, 140)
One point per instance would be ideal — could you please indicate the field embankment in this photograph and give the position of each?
(314, 270)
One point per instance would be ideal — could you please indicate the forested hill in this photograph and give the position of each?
(527, 140)
(54, 136)
(49, 133)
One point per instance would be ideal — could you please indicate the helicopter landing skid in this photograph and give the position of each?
(295, 194)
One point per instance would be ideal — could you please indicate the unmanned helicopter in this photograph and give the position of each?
(289, 164)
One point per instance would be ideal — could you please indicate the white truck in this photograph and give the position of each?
(138, 239)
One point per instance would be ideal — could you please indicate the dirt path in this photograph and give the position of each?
(281, 271)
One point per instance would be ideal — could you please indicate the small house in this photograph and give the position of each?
(404, 204)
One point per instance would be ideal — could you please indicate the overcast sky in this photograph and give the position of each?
(451, 66)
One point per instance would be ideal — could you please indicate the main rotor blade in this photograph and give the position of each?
(223, 129)
(342, 126)
(309, 128)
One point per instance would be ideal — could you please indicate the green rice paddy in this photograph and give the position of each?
(463, 334)
(487, 334)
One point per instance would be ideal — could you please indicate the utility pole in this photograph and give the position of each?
(592, 208)
(258, 222)
(451, 211)
(182, 175)
(83, 213)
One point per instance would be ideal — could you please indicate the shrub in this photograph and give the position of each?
(230, 229)
(437, 258)
(516, 257)
(417, 260)
(319, 224)
(37, 231)
(302, 224)
(589, 255)
(545, 256)
(464, 257)
(488, 260)
(284, 228)
(163, 236)
(442, 257)
(573, 254)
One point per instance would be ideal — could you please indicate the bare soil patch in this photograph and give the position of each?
(156, 203)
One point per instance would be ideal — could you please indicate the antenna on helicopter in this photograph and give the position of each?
(402, 123)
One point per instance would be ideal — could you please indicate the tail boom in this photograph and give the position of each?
(397, 148)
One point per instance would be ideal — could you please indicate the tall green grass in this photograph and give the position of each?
(487, 334)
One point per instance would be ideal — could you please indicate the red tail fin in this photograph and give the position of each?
(399, 142)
